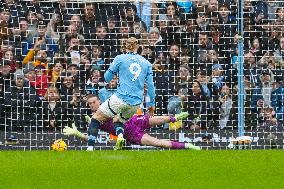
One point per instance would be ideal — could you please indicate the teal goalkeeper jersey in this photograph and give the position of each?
(133, 71)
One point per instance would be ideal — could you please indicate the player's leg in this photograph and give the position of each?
(152, 141)
(102, 115)
(160, 120)
(127, 111)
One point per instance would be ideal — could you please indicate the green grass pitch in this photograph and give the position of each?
(142, 169)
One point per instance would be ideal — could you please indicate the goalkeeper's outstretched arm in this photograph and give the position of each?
(68, 131)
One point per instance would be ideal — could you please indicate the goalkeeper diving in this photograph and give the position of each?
(134, 131)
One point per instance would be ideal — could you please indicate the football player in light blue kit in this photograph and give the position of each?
(133, 72)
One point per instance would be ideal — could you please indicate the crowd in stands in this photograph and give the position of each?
(54, 54)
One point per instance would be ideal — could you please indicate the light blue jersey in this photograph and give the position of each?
(105, 94)
(133, 71)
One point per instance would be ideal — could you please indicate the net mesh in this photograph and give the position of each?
(54, 54)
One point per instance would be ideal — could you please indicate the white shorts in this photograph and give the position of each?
(115, 106)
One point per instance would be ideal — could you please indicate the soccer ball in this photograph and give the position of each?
(59, 145)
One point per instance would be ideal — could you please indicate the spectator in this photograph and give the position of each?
(29, 72)
(250, 68)
(184, 77)
(217, 78)
(277, 97)
(262, 93)
(268, 121)
(94, 83)
(251, 117)
(148, 53)
(32, 23)
(202, 20)
(97, 57)
(69, 38)
(84, 71)
(74, 69)
(41, 82)
(177, 103)
(222, 107)
(146, 10)
(204, 44)
(66, 86)
(55, 27)
(66, 9)
(266, 10)
(78, 109)
(40, 8)
(203, 78)
(24, 26)
(185, 59)
(173, 64)
(75, 50)
(4, 18)
(54, 73)
(103, 39)
(38, 54)
(280, 14)
(111, 27)
(108, 90)
(6, 77)
(124, 30)
(227, 25)
(173, 14)
(52, 113)
(9, 56)
(162, 24)
(250, 31)
(187, 35)
(279, 53)
(140, 30)
(76, 22)
(20, 105)
(155, 40)
(256, 48)
(90, 21)
(131, 14)
(213, 7)
(161, 79)
(197, 107)
(46, 41)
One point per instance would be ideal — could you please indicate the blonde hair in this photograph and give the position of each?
(52, 88)
(131, 44)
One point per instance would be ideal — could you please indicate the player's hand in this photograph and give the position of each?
(151, 110)
(72, 131)
(88, 119)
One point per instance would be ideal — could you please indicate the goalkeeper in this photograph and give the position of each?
(134, 131)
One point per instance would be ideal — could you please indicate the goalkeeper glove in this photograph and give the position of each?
(181, 116)
(72, 131)
(88, 119)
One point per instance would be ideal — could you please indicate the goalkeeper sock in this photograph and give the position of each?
(177, 145)
(119, 128)
(93, 132)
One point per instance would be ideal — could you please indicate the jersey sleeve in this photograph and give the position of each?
(150, 86)
(112, 70)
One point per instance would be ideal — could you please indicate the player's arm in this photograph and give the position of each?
(151, 89)
(112, 70)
